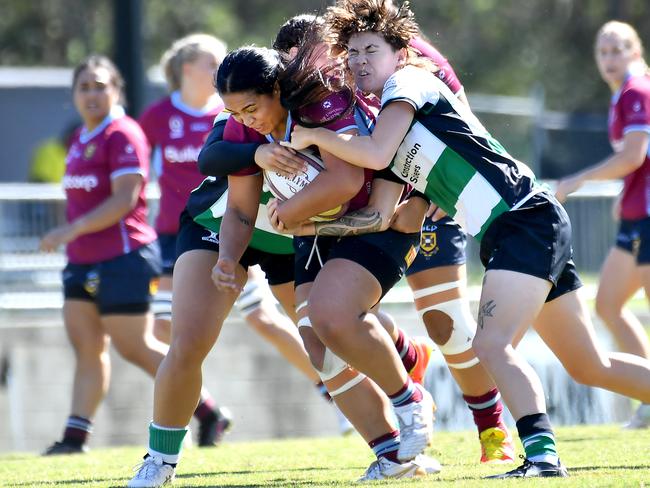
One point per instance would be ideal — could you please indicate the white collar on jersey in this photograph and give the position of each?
(117, 112)
(287, 132)
(177, 102)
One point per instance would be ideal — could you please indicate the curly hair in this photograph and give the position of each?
(348, 17)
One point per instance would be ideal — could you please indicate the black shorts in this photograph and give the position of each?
(442, 243)
(167, 243)
(534, 240)
(634, 237)
(122, 285)
(386, 255)
(191, 236)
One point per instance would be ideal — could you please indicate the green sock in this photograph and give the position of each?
(541, 447)
(166, 440)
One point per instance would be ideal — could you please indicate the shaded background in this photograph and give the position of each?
(539, 51)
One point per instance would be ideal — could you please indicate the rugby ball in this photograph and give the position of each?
(284, 187)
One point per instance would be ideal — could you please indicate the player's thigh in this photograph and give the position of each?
(83, 326)
(565, 326)
(198, 307)
(620, 278)
(285, 294)
(510, 301)
(426, 278)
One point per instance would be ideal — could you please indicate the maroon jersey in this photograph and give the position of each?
(629, 111)
(446, 72)
(116, 147)
(176, 133)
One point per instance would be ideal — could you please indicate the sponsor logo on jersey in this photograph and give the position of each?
(90, 150)
(186, 154)
(327, 104)
(637, 106)
(80, 182)
(200, 127)
(211, 237)
(408, 160)
(129, 149)
(176, 129)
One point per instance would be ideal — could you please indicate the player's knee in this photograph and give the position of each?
(587, 372)
(490, 348)
(439, 326)
(189, 348)
(330, 325)
(314, 347)
(606, 310)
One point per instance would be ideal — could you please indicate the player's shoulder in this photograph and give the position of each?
(637, 85)
(235, 131)
(334, 106)
(158, 108)
(124, 127)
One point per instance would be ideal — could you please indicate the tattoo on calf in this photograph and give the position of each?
(355, 223)
(485, 311)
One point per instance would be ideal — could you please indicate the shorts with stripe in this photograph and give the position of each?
(122, 285)
(279, 268)
(634, 237)
(534, 240)
(386, 255)
(442, 243)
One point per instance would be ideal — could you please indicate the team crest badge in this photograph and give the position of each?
(176, 129)
(428, 243)
(89, 151)
(91, 285)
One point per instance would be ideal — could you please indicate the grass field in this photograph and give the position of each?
(597, 456)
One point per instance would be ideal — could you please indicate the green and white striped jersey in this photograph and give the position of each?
(449, 156)
(207, 206)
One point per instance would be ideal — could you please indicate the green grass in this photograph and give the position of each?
(597, 456)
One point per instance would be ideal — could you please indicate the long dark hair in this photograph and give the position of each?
(99, 61)
(302, 83)
(249, 68)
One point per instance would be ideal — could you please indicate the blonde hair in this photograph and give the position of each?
(626, 33)
(186, 50)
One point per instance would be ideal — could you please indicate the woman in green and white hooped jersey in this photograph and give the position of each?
(433, 142)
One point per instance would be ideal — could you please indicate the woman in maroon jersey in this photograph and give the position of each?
(619, 56)
(113, 258)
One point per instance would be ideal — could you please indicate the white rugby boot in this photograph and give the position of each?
(383, 469)
(640, 419)
(430, 464)
(415, 426)
(152, 473)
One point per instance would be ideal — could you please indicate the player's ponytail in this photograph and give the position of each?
(249, 68)
(303, 82)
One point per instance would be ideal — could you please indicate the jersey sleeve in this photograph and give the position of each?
(127, 154)
(335, 112)
(445, 73)
(635, 111)
(222, 158)
(237, 132)
(415, 86)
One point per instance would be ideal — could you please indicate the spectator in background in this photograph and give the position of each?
(619, 56)
(48, 159)
(113, 257)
